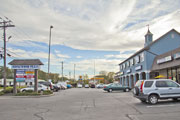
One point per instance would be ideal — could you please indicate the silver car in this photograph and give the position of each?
(154, 89)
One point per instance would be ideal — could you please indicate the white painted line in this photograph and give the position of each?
(154, 106)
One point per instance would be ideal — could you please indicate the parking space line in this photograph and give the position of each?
(154, 106)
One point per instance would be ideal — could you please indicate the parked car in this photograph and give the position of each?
(63, 85)
(92, 85)
(56, 88)
(115, 87)
(152, 90)
(47, 83)
(79, 85)
(100, 86)
(69, 86)
(40, 88)
(86, 86)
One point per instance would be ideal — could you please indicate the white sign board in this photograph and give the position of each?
(163, 60)
(128, 71)
(138, 67)
(177, 55)
(25, 67)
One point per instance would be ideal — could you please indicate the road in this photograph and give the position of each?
(85, 104)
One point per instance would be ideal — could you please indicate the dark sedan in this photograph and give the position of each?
(115, 87)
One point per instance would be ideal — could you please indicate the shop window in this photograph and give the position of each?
(172, 74)
(178, 75)
(169, 74)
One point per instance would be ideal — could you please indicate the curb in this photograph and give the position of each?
(39, 96)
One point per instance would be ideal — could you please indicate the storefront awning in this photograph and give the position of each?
(167, 60)
(160, 76)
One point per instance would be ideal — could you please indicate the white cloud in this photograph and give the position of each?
(78, 56)
(63, 56)
(121, 56)
(83, 23)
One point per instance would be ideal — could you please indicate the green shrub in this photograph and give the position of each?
(29, 91)
(8, 90)
(47, 92)
(1, 93)
(28, 94)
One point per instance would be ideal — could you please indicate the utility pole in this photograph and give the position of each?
(69, 75)
(94, 71)
(5, 24)
(62, 71)
(74, 71)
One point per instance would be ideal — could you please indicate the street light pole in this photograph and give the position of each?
(49, 51)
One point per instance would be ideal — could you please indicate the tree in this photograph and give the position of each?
(103, 72)
(111, 77)
(9, 73)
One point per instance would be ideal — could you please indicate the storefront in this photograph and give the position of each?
(168, 65)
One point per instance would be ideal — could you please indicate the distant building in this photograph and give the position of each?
(160, 56)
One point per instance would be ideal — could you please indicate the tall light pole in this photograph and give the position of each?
(49, 51)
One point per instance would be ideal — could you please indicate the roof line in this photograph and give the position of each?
(147, 47)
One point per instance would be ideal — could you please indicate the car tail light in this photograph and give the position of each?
(104, 86)
(50, 86)
(141, 87)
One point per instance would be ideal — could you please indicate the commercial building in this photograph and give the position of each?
(160, 56)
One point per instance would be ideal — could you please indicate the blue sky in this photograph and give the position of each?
(104, 32)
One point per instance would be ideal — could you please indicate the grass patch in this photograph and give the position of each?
(47, 92)
(1, 93)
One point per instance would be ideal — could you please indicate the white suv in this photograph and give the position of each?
(152, 90)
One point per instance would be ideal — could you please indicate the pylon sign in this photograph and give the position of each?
(80, 77)
(25, 75)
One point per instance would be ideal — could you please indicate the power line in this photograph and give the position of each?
(5, 24)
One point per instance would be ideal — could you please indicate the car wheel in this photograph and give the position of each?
(153, 99)
(110, 90)
(126, 90)
(24, 91)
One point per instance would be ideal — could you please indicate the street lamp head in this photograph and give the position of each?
(9, 37)
(51, 26)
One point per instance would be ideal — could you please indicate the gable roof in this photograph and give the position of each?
(26, 62)
(147, 47)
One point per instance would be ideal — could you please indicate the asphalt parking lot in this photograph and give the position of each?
(86, 104)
